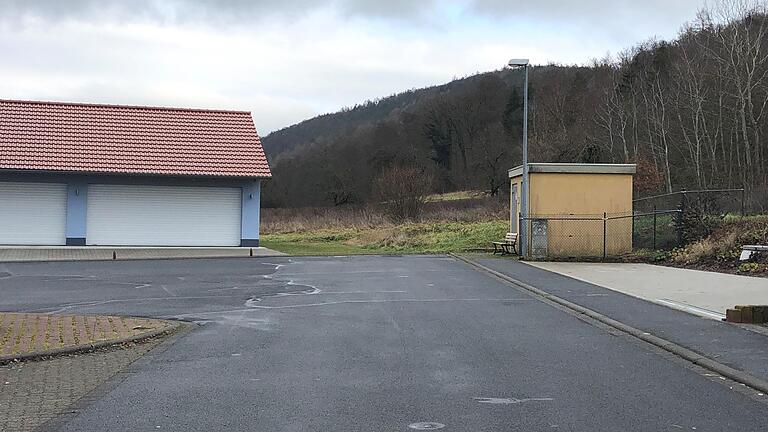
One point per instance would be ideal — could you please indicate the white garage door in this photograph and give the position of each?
(33, 213)
(163, 216)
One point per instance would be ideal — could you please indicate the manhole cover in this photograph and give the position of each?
(426, 426)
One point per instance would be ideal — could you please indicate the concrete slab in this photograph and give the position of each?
(707, 294)
(98, 253)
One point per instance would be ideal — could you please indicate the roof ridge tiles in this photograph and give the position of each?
(122, 106)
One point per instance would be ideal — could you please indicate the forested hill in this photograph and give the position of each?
(326, 126)
(691, 113)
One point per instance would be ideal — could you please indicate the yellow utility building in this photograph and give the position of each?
(575, 210)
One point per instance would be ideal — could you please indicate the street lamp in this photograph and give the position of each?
(515, 63)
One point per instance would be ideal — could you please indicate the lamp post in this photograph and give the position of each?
(514, 63)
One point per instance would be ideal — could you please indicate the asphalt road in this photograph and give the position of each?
(369, 344)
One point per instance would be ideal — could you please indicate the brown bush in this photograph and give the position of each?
(402, 192)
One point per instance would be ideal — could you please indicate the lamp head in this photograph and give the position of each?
(518, 62)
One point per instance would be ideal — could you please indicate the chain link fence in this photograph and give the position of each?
(706, 201)
(601, 236)
(659, 222)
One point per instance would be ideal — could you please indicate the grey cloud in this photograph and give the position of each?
(593, 11)
(154, 10)
(203, 10)
(387, 8)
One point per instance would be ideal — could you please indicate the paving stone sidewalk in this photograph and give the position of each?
(34, 392)
(23, 335)
(101, 253)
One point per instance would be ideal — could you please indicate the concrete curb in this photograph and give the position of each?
(169, 328)
(671, 347)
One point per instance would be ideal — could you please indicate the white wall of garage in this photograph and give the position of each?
(140, 215)
(33, 213)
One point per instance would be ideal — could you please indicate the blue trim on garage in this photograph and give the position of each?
(250, 213)
(77, 204)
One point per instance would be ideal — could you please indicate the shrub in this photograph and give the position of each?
(402, 192)
(749, 267)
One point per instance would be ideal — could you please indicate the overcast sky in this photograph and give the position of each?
(289, 60)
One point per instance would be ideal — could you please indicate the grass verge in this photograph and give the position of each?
(411, 238)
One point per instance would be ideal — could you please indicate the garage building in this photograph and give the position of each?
(86, 174)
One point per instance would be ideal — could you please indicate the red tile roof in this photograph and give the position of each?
(68, 137)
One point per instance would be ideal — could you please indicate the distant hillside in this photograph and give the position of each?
(347, 120)
(691, 113)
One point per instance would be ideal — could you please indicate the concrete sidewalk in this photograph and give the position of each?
(702, 293)
(96, 253)
(739, 347)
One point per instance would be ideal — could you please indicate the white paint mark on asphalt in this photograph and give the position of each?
(692, 309)
(511, 401)
(236, 354)
(259, 307)
(234, 288)
(383, 301)
(314, 289)
(164, 288)
(365, 292)
(252, 302)
(426, 425)
(350, 272)
(67, 306)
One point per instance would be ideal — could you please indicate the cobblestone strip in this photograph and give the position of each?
(32, 393)
(22, 334)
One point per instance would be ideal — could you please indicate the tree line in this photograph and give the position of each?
(691, 113)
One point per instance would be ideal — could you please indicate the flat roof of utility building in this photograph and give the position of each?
(574, 168)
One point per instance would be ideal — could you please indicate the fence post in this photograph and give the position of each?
(654, 228)
(743, 213)
(605, 233)
(683, 199)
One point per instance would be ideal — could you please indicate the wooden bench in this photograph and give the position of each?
(748, 250)
(503, 247)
